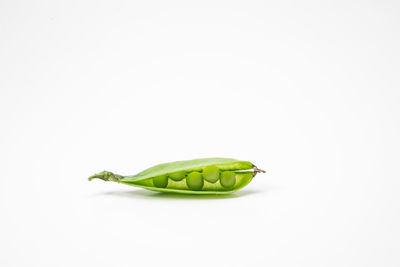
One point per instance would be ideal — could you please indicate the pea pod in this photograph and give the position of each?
(198, 176)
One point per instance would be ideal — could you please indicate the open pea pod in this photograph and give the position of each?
(198, 176)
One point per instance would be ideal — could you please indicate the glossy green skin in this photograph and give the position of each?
(211, 173)
(194, 181)
(228, 179)
(241, 170)
(160, 181)
(177, 176)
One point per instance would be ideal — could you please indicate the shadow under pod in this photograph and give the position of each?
(135, 194)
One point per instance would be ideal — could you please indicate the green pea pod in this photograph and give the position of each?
(198, 176)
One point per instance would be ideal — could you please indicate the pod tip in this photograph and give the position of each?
(257, 170)
(106, 176)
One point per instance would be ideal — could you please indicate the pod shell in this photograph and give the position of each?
(244, 171)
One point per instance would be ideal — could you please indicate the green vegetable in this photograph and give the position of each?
(228, 179)
(195, 181)
(211, 173)
(160, 181)
(177, 176)
(198, 176)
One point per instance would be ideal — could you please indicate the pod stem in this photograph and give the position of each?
(106, 176)
(257, 170)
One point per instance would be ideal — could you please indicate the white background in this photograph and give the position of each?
(308, 90)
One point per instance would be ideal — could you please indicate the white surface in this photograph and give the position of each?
(307, 90)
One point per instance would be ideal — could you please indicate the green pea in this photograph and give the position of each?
(232, 175)
(211, 174)
(160, 181)
(177, 176)
(228, 179)
(195, 181)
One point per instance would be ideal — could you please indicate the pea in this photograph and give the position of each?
(177, 176)
(228, 179)
(233, 175)
(195, 181)
(211, 174)
(160, 181)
